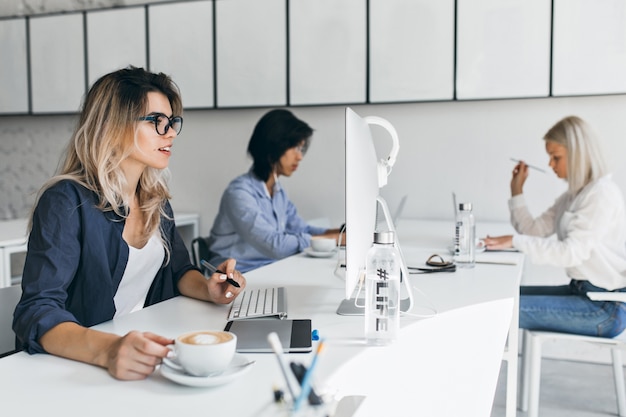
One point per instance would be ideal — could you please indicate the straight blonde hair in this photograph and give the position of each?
(585, 160)
(110, 113)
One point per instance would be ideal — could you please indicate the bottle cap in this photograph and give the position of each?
(384, 237)
(465, 206)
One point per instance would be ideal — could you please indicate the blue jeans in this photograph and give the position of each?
(567, 309)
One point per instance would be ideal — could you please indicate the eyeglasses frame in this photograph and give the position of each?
(154, 118)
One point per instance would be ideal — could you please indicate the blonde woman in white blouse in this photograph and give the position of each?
(589, 221)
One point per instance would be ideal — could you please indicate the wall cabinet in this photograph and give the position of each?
(260, 53)
(589, 47)
(251, 53)
(115, 39)
(503, 48)
(14, 70)
(327, 51)
(411, 50)
(181, 45)
(57, 62)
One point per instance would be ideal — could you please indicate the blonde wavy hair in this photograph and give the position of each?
(110, 112)
(585, 160)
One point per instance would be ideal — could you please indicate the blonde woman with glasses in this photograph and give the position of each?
(103, 242)
(589, 221)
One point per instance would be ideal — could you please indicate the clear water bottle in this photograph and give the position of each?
(382, 290)
(465, 237)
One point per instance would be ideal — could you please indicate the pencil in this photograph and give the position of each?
(306, 381)
(529, 166)
(213, 270)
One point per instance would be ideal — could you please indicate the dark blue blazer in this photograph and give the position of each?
(75, 261)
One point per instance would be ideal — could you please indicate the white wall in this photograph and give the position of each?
(449, 146)
(454, 146)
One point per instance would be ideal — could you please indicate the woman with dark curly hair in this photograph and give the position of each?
(257, 223)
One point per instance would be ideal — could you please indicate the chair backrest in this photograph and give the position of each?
(9, 297)
(200, 250)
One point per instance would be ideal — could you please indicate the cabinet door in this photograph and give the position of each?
(185, 52)
(503, 48)
(57, 63)
(14, 70)
(327, 51)
(589, 54)
(411, 50)
(251, 53)
(116, 39)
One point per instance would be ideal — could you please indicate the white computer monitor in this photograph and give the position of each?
(365, 175)
(361, 194)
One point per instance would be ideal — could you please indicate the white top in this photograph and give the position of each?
(142, 266)
(590, 229)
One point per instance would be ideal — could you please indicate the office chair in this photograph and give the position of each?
(531, 366)
(200, 250)
(9, 297)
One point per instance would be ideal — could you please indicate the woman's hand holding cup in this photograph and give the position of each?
(202, 353)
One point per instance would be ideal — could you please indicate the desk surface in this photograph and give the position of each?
(456, 353)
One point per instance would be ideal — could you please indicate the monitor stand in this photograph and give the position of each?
(347, 307)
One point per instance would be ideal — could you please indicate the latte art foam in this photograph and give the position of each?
(206, 338)
(203, 339)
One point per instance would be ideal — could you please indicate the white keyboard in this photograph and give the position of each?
(261, 302)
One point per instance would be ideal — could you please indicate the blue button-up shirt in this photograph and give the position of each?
(255, 228)
(75, 262)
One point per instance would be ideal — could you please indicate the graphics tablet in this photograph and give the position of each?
(294, 335)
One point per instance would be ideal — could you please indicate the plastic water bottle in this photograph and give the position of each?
(382, 290)
(465, 237)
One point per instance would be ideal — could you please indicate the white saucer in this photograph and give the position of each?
(208, 381)
(309, 251)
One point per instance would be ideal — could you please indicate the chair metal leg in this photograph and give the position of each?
(526, 336)
(618, 374)
(534, 375)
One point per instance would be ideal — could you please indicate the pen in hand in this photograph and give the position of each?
(213, 270)
(528, 165)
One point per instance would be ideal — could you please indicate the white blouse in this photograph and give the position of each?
(143, 265)
(590, 229)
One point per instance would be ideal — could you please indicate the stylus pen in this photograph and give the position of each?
(529, 166)
(306, 381)
(213, 270)
(277, 347)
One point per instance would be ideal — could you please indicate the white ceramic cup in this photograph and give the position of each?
(204, 352)
(323, 244)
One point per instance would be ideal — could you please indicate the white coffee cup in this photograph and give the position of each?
(323, 244)
(203, 352)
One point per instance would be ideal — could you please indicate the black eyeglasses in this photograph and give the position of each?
(162, 123)
(301, 149)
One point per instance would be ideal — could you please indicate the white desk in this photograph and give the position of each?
(13, 239)
(439, 235)
(443, 366)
